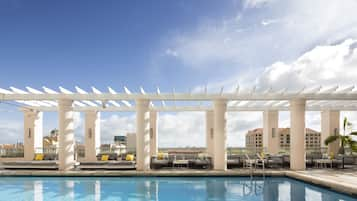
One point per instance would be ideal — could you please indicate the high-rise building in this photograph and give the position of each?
(254, 138)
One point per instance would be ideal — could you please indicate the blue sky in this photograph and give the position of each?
(89, 43)
(178, 44)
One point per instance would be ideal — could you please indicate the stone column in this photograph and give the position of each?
(297, 134)
(330, 125)
(92, 135)
(219, 131)
(142, 135)
(271, 131)
(33, 133)
(209, 133)
(153, 133)
(66, 135)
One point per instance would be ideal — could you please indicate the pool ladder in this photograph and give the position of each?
(253, 167)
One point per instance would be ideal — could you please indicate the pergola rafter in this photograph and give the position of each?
(318, 98)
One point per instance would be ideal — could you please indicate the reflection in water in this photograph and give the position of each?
(297, 191)
(28, 190)
(271, 190)
(162, 189)
(252, 187)
(38, 191)
(97, 191)
(216, 189)
(142, 190)
(67, 190)
(91, 189)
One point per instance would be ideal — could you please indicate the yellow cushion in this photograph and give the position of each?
(161, 155)
(105, 157)
(332, 155)
(129, 157)
(202, 156)
(38, 157)
(262, 154)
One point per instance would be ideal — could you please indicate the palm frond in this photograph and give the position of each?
(331, 139)
(353, 146)
(344, 123)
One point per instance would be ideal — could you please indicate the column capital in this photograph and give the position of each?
(220, 101)
(30, 111)
(65, 102)
(296, 102)
(142, 102)
(92, 112)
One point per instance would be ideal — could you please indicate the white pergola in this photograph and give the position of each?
(328, 100)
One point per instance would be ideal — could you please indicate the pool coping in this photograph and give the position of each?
(345, 187)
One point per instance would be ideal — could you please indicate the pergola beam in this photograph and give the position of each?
(316, 97)
(196, 108)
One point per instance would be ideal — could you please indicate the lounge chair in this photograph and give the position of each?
(201, 162)
(43, 165)
(344, 160)
(234, 161)
(248, 162)
(275, 161)
(260, 161)
(109, 163)
(157, 163)
(43, 162)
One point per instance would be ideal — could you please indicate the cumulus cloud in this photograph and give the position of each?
(238, 123)
(182, 129)
(248, 41)
(116, 125)
(11, 131)
(323, 65)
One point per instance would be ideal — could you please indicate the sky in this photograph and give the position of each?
(182, 45)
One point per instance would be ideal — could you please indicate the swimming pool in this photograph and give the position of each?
(162, 188)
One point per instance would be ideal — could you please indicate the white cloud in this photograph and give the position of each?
(11, 131)
(255, 3)
(238, 123)
(267, 22)
(248, 41)
(116, 125)
(182, 129)
(323, 65)
(171, 52)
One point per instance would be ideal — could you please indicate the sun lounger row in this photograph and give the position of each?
(110, 161)
(194, 161)
(45, 165)
(41, 161)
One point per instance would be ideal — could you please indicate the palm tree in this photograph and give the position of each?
(345, 139)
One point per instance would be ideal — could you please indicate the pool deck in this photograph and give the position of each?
(340, 180)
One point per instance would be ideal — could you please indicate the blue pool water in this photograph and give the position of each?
(163, 189)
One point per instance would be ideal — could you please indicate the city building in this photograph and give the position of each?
(131, 142)
(254, 139)
(120, 140)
